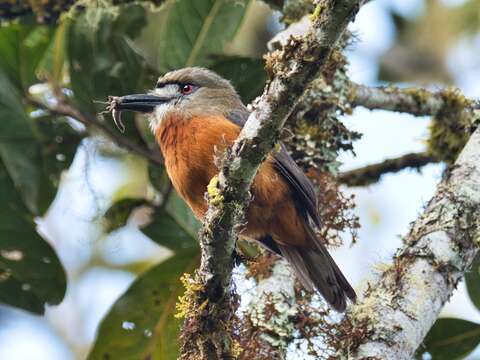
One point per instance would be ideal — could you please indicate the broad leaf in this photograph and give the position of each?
(141, 324)
(117, 215)
(451, 339)
(21, 151)
(30, 273)
(158, 177)
(102, 59)
(22, 47)
(59, 143)
(183, 215)
(190, 31)
(52, 64)
(472, 279)
(175, 230)
(247, 75)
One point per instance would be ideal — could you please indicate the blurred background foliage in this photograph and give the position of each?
(83, 202)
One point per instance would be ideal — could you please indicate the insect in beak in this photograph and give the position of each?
(144, 103)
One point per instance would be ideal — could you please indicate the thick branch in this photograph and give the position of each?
(205, 334)
(415, 101)
(454, 116)
(398, 310)
(370, 174)
(63, 108)
(268, 325)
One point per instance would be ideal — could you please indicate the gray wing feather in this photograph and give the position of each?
(301, 186)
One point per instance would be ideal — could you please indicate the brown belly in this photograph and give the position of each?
(190, 148)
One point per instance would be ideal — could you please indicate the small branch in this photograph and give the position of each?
(399, 308)
(372, 173)
(48, 11)
(63, 108)
(206, 330)
(454, 117)
(415, 101)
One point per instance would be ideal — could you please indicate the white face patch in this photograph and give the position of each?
(169, 91)
(158, 115)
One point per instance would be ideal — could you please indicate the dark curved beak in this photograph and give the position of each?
(144, 103)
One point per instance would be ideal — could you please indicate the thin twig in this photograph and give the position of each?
(370, 174)
(66, 109)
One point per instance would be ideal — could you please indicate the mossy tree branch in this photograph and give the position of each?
(397, 311)
(415, 101)
(453, 115)
(370, 174)
(206, 330)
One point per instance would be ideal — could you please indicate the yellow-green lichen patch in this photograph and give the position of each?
(366, 310)
(420, 95)
(294, 10)
(186, 303)
(215, 197)
(450, 128)
(317, 12)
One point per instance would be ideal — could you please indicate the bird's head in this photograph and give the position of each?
(185, 93)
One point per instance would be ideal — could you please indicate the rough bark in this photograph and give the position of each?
(206, 330)
(398, 310)
(267, 327)
(415, 101)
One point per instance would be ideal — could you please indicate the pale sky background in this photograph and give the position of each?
(385, 209)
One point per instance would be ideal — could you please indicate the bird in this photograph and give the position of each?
(195, 114)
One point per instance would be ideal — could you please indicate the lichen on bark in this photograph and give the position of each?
(451, 127)
(403, 303)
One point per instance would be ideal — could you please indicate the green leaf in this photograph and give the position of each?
(22, 47)
(158, 177)
(472, 279)
(141, 324)
(102, 59)
(174, 229)
(52, 64)
(182, 214)
(247, 75)
(190, 31)
(21, 150)
(451, 339)
(31, 274)
(117, 215)
(59, 143)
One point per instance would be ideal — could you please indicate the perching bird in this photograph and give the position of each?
(195, 114)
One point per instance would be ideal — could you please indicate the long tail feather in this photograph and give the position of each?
(316, 269)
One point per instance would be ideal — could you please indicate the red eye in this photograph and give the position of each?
(187, 89)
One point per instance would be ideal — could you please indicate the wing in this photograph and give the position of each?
(301, 186)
